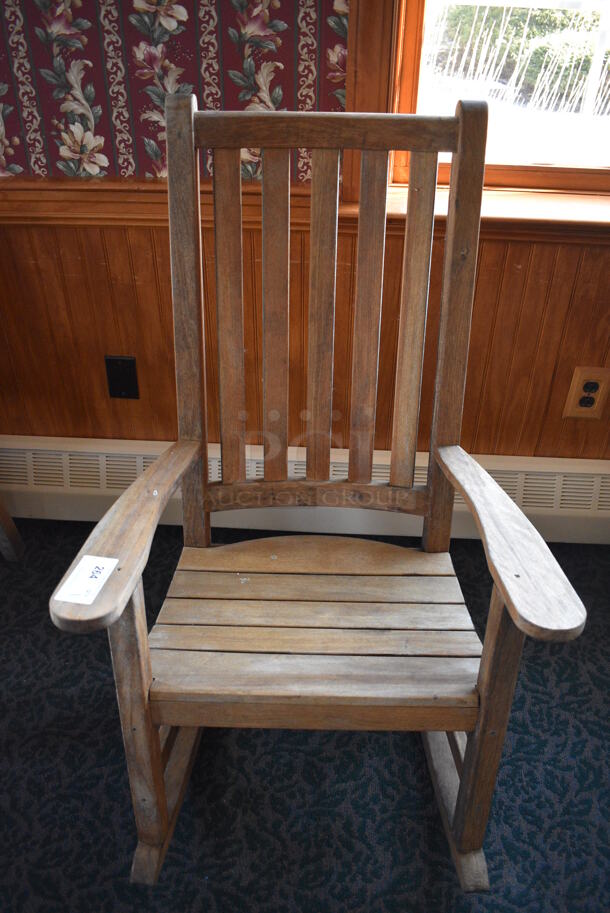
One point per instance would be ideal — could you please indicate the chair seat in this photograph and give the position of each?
(315, 632)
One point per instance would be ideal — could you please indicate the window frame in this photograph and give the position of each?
(398, 84)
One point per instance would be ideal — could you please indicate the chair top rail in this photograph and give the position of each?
(320, 130)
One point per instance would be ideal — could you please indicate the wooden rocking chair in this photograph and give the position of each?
(310, 632)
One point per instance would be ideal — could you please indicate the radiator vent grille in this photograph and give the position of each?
(338, 471)
(255, 469)
(420, 477)
(13, 467)
(87, 470)
(380, 473)
(508, 482)
(84, 470)
(539, 490)
(577, 492)
(121, 471)
(214, 469)
(48, 468)
(297, 469)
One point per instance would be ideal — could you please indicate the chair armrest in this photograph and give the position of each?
(125, 533)
(536, 592)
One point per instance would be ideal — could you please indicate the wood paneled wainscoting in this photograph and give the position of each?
(84, 272)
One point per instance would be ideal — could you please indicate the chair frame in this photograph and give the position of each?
(530, 592)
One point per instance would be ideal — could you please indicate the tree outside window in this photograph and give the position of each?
(542, 65)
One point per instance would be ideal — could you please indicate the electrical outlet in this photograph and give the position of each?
(587, 394)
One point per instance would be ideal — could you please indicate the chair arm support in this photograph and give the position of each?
(125, 532)
(536, 592)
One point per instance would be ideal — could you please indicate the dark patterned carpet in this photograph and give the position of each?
(291, 821)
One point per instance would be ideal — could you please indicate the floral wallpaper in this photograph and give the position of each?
(83, 82)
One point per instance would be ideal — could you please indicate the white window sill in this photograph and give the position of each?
(521, 205)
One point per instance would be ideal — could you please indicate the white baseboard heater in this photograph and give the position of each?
(78, 479)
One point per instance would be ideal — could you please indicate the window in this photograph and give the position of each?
(542, 65)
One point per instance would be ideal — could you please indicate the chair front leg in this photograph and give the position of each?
(128, 638)
(498, 671)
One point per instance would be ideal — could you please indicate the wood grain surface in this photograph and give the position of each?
(105, 282)
(125, 532)
(276, 316)
(539, 597)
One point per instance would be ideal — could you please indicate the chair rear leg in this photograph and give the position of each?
(128, 638)
(496, 684)
(471, 868)
(464, 779)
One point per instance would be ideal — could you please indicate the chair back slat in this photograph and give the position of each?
(367, 313)
(276, 265)
(417, 253)
(229, 302)
(322, 277)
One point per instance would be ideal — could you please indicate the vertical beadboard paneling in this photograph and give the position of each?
(82, 305)
(534, 303)
(146, 330)
(499, 351)
(11, 408)
(490, 270)
(95, 251)
(153, 309)
(18, 386)
(73, 293)
(585, 341)
(48, 300)
(564, 279)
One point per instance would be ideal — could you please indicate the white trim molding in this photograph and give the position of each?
(79, 478)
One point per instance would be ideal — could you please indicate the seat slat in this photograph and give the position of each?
(319, 641)
(367, 313)
(229, 301)
(413, 308)
(276, 259)
(410, 680)
(315, 587)
(397, 616)
(316, 555)
(321, 322)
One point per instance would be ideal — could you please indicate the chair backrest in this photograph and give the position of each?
(276, 134)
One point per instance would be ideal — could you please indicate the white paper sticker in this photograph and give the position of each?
(87, 579)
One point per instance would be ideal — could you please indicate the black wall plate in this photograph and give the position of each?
(122, 376)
